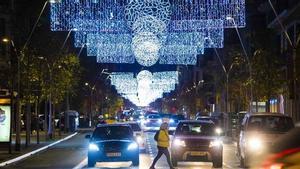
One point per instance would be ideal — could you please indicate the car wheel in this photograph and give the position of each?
(136, 162)
(174, 161)
(218, 162)
(91, 162)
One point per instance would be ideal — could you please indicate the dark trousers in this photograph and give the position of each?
(161, 151)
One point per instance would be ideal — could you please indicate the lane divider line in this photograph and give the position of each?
(35, 151)
(81, 164)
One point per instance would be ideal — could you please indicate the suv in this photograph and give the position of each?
(112, 142)
(258, 133)
(197, 141)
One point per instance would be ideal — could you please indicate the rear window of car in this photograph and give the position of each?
(270, 123)
(113, 133)
(198, 129)
(135, 127)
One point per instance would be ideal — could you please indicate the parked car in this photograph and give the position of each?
(285, 154)
(112, 142)
(258, 133)
(197, 141)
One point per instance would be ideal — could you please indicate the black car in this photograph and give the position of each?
(197, 141)
(113, 142)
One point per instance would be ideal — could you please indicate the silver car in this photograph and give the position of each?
(258, 133)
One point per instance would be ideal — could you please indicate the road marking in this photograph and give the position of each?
(35, 151)
(81, 164)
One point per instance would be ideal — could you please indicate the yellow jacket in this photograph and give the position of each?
(163, 139)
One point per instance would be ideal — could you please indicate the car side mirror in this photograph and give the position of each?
(88, 136)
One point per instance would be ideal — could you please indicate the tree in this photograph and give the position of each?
(268, 80)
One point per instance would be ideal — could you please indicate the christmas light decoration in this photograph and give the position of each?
(211, 30)
(210, 9)
(158, 9)
(146, 87)
(173, 32)
(146, 48)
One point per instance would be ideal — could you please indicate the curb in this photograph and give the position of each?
(35, 151)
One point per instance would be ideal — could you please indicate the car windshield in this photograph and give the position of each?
(113, 133)
(199, 129)
(135, 127)
(270, 123)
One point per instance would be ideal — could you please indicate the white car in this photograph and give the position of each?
(258, 133)
(139, 135)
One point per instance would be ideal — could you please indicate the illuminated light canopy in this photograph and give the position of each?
(149, 24)
(147, 30)
(158, 9)
(211, 30)
(146, 48)
(96, 40)
(178, 59)
(69, 14)
(146, 87)
(212, 9)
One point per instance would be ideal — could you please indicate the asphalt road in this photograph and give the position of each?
(71, 154)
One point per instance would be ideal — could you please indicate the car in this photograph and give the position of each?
(138, 134)
(174, 120)
(285, 153)
(196, 140)
(112, 142)
(258, 133)
(204, 118)
(152, 122)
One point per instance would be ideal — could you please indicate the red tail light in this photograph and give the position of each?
(272, 161)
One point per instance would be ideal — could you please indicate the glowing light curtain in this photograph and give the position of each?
(146, 87)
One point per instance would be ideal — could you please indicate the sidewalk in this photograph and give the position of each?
(4, 154)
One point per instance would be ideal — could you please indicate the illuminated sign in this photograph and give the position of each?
(5, 120)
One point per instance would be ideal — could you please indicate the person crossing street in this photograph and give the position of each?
(162, 138)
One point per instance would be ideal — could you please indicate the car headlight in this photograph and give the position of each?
(139, 139)
(171, 121)
(131, 118)
(93, 147)
(132, 146)
(178, 142)
(215, 143)
(255, 144)
(218, 131)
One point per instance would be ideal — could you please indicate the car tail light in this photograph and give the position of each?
(272, 162)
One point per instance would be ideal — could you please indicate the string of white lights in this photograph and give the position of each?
(146, 87)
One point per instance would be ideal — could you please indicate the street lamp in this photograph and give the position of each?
(50, 127)
(18, 118)
(91, 97)
(229, 18)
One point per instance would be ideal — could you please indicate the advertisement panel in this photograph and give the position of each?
(5, 120)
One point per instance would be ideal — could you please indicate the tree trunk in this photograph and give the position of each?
(37, 121)
(28, 123)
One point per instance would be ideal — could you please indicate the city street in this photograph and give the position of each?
(72, 154)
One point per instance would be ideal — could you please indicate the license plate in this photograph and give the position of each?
(196, 153)
(113, 154)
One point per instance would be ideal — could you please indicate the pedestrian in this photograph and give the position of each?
(162, 138)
